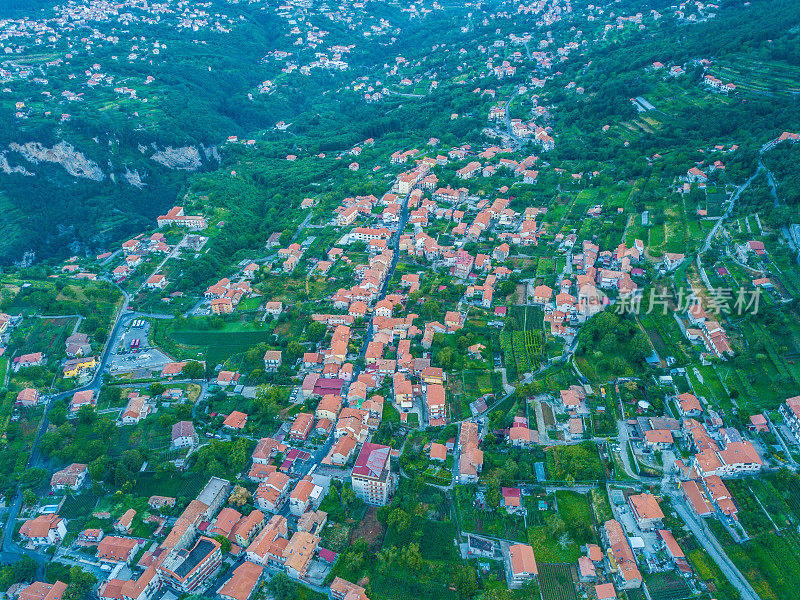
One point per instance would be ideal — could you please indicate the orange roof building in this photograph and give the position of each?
(236, 420)
(646, 510)
(242, 583)
(523, 563)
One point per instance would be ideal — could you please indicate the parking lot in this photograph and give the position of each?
(131, 350)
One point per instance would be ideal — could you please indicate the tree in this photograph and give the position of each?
(316, 332)
(58, 414)
(225, 543)
(80, 584)
(497, 593)
(239, 496)
(445, 358)
(281, 587)
(430, 309)
(21, 570)
(29, 497)
(32, 478)
(466, 582)
(555, 525)
(109, 395)
(348, 495)
(493, 493)
(157, 388)
(294, 351)
(193, 370)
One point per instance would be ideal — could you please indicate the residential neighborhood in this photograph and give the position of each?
(400, 301)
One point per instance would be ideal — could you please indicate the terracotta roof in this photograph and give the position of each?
(438, 451)
(522, 560)
(39, 590)
(235, 420)
(182, 429)
(40, 526)
(659, 436)
(645, 506)
(116, 548)
(243, 581)
(605, 591)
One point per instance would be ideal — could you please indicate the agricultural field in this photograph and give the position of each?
(666, 336)
(556, 581)
(768, 510)
(759, 77)
(524, 348)
(668, 586)
(771, 563)
(45, 335)
(761, 508)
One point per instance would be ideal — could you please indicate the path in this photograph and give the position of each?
(622, 430)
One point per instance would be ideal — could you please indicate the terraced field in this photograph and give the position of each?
(759, 77)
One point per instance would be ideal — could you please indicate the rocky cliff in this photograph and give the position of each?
(63, 153)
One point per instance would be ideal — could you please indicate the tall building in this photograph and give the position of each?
(187, 569)
(372, 477)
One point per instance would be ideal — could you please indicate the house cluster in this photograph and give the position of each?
(135, 251)
(583, 294)
(708, 332)
(717, 84)
(190, 556)
(718, 453)
(224, 296)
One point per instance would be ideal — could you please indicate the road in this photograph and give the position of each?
(622, 430)
(401, 94)
(10, 550)
(395, 246)
(712, 546)
(507, 121)
(707, 242)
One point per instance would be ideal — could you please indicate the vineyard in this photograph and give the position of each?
(521, 352)
(522, 348)
(556, 582)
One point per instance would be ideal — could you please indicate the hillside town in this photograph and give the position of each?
(477, 359)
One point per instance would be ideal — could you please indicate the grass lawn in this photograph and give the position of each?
(249, 304)
(547, 548)
(575, 510)
(214, 345)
